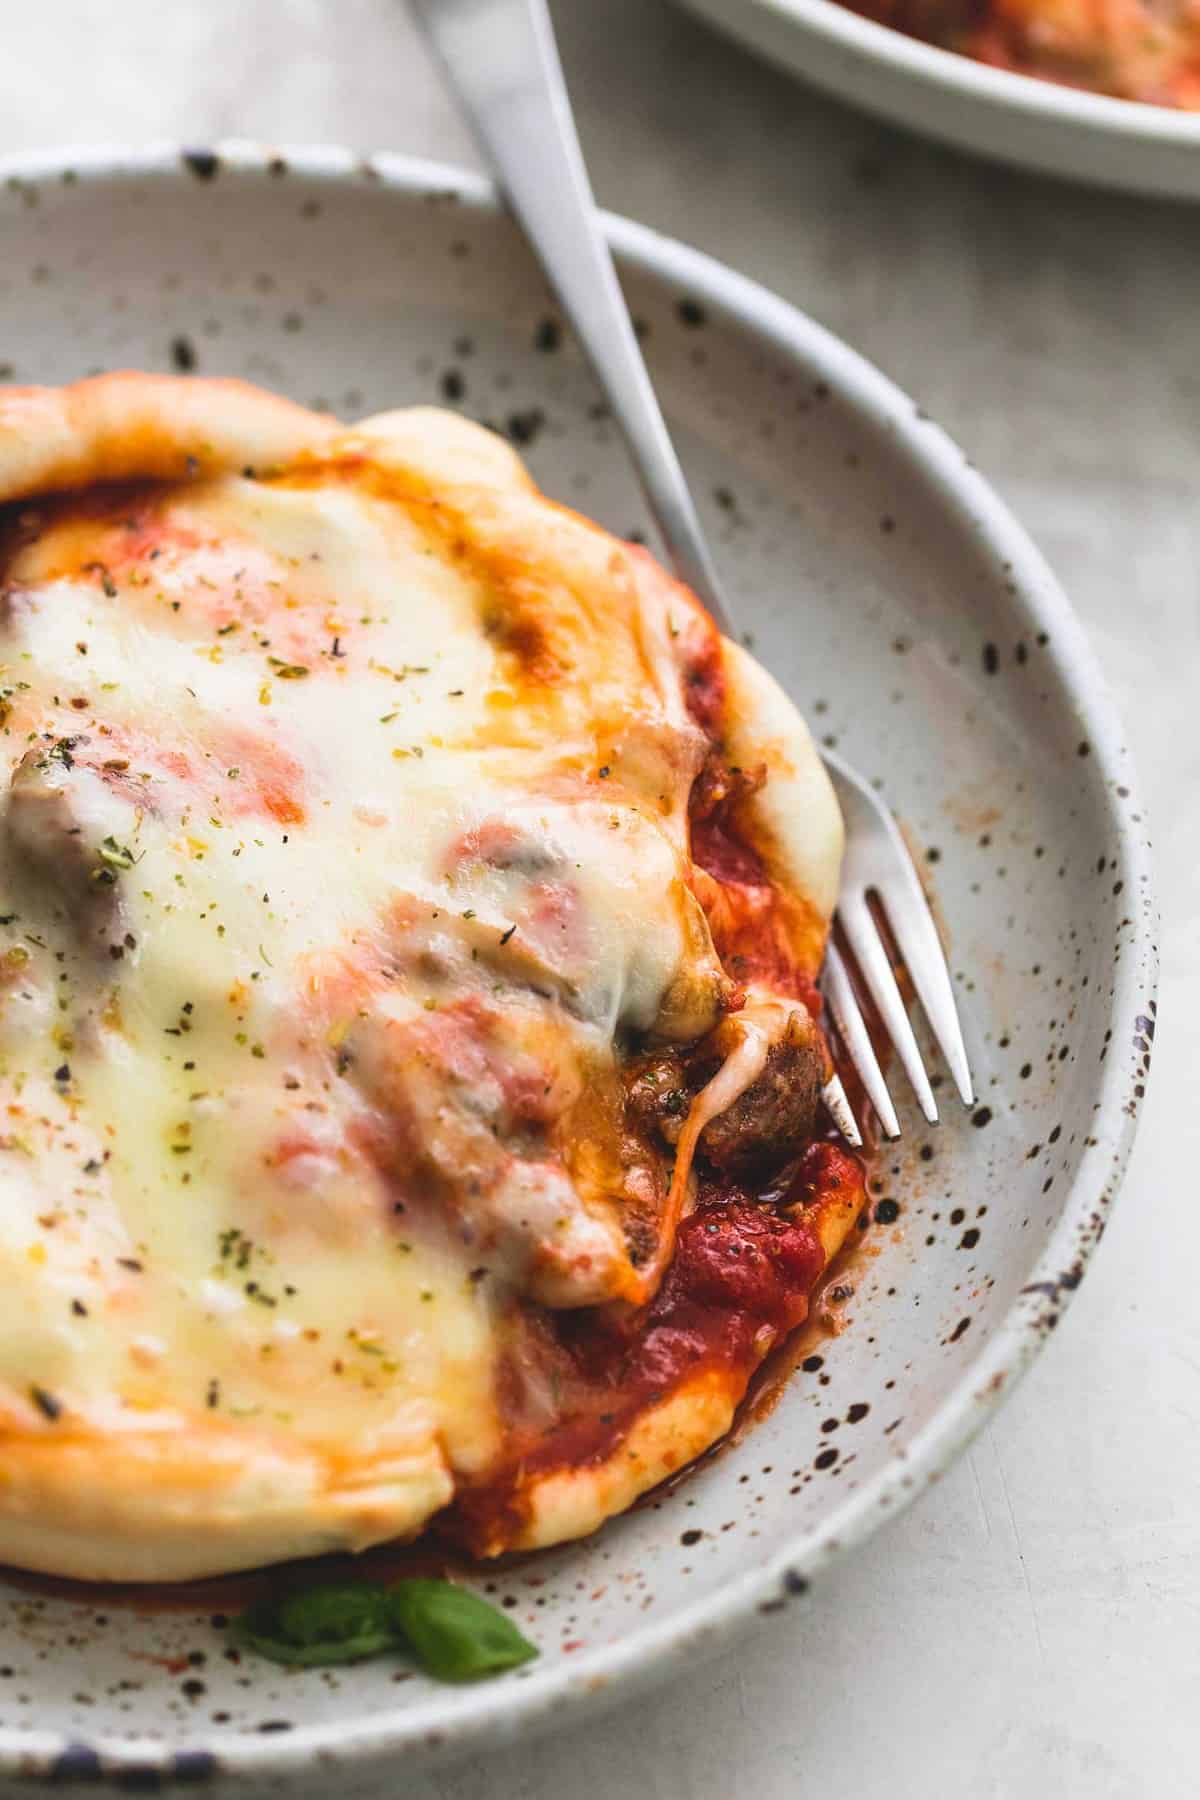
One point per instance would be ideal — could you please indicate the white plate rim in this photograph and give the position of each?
(1002, 90)
(510, 1707)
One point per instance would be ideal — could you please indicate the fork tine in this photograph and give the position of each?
(916, 936)
(857, 1039)
(863, 937)
(840, 1111)
(878, 860)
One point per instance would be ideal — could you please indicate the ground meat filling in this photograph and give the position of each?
(777, 1115)
(768, 1126)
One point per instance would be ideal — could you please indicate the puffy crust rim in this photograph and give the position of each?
(161, 1506)
(127, 427)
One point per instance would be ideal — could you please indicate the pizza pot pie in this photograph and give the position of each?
(410, 1061)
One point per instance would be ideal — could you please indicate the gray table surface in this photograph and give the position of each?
(1032, 1627)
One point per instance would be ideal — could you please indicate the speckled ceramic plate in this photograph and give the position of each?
(1038, 124)
(913, 621)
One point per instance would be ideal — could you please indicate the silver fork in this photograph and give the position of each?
(502, 60)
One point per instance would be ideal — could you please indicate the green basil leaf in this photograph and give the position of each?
(321, 1626)
(454, 1634)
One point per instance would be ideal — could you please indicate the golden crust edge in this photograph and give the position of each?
(571, 1503)
(146, 1506)
(128, 426)
(798, 820)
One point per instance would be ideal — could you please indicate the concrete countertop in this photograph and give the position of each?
(1032, 1627)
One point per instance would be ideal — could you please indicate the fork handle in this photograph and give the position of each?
(502, 59)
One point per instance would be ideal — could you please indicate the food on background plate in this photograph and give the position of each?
(1126, 48)
(410, 1059)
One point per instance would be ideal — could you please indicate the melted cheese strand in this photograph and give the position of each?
(740, 1070)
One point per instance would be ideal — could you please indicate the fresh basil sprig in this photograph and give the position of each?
(322, 1626)
(455, 1635)
(451, 1632)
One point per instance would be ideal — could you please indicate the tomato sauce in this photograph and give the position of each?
(705, 687)
(761, 933)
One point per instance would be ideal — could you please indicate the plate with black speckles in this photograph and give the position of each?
(920, 631)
